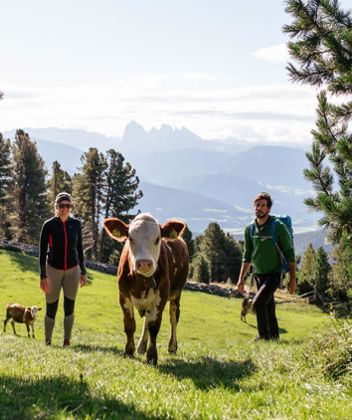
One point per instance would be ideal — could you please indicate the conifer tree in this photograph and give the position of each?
(200, 269)
(120, 196)
(29, 191)
(341, 278)
(221, 251)
(324, 269)
(88, 196)
(321, 44)
(309, 271)
(233, 252)
(60, 181)
(6, 177)
(187, 237)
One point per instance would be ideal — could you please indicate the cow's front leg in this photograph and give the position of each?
(154, 323)
(129, 324)
(5, 323)
(143, 341)
(174, 312)
(28, 331)
(13, 326)
(152, 353)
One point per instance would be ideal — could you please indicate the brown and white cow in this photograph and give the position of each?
(21, 314)
(153, 269)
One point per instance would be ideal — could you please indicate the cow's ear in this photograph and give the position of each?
(172, 229)
(116, 228)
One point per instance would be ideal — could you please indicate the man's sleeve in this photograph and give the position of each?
(248, 246)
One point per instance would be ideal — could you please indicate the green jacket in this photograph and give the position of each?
(261, 251)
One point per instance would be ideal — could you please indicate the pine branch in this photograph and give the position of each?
(321, 37)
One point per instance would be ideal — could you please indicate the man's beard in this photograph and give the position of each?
(260, 214)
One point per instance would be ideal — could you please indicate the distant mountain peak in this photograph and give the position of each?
(167, 128)
(134, 125)
(134, 132)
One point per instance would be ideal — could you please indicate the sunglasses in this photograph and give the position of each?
(64, 206)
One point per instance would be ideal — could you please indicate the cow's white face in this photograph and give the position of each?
(144, 238)
(34, 311)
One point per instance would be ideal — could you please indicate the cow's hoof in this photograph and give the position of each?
(142, 347)
(172, 348)
(152, 357)
(129, 355)
(129, 350)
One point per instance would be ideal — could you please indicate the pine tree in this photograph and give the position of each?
(221, 251)
(324, 269)
(29, 192)
(187, 237)
(6, 177)
(60, 181)
(88, 196)
(321, 44)
(120, 197)
(309, 271)
(200, 269)
(341, 278)
(233, 254)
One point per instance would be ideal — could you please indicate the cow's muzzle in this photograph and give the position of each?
(144, 267)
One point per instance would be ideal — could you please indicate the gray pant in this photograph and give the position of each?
(69, 281)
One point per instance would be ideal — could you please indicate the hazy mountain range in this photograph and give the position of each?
(200, 181)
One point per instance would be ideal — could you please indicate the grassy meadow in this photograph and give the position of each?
(218, 372)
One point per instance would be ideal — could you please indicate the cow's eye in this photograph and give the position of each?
(157, 241)
(130, 240)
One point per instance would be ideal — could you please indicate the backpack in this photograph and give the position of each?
(287, 221)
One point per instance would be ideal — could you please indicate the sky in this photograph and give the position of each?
(214, 67)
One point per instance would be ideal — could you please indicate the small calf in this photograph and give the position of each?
(247, 305)
(21, 314)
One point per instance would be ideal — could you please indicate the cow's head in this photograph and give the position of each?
(143, 237)
(34, 310)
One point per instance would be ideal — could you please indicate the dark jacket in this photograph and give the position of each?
(64, 241)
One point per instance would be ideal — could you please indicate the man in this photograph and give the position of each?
(261, 252)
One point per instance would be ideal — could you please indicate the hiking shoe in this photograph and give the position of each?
(66, 343)
(47, 342)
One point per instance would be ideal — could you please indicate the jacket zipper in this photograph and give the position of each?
(65, 248)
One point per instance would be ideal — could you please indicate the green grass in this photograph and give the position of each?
(218, 372)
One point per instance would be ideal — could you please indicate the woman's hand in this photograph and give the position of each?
(44, 285)
(83, 280)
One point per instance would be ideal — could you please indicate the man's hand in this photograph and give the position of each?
(83, 280)
(44, 285)
(292, 285)
(240, 286)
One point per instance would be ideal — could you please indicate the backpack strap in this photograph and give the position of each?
(252, 230)
(273, 235)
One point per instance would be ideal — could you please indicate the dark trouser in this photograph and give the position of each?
(264, 305)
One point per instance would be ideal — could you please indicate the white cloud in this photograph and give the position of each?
(274, 112)
(275, 54)
(199, 76)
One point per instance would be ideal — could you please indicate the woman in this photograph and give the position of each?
(62, 265)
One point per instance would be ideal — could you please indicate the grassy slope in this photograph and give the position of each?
(217, 373)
